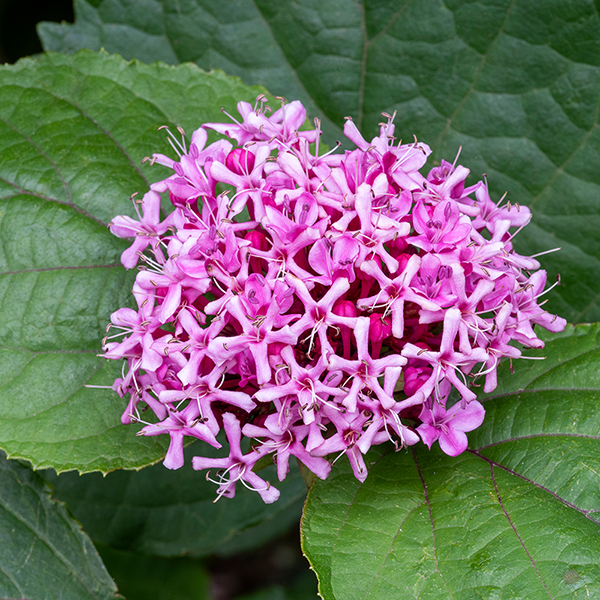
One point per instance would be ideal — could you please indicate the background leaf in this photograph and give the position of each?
(303, 588)
(516, 82)
(151, 578)
(44, 555)
(172, 513)
(516, 516)
(73, 132)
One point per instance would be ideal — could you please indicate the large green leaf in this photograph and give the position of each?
(517, 516)
(174, 513)
(516, 82)
(44, 555)
(73, 132)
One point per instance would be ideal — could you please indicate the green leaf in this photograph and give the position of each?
(516, 516)
(172, 513)
(44, 554)
(150, 578)
(73, 132)
(516, 82)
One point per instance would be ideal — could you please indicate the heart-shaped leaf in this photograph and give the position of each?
(516, 82)
(44, 555)
(518, 515)
(73, 132)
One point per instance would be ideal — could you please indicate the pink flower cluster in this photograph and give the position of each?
(317, 303)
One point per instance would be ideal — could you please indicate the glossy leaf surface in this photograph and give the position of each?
(517, 515)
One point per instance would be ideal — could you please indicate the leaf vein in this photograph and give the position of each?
(510, 522)
(537, 435)
(561, 168)
(63, 202)
(410, 512)
(493, 464)
(475, 78)
(61, 268)
(42, 153)
(437, 566)
(528, 389)
(16, 374)
(389, 24)
(106, 132)
(288, 64)
(15, 583)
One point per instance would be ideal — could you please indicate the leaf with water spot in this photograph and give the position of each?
(517, 515)
(515, 82)
(73, 133)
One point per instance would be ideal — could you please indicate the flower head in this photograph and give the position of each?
(338, 314)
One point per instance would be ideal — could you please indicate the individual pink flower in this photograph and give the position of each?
(448, 427)
(146, 231)
(237, 466)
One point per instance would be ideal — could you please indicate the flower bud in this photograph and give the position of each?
(240, 161)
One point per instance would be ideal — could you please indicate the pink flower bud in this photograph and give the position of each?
(240, 161)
